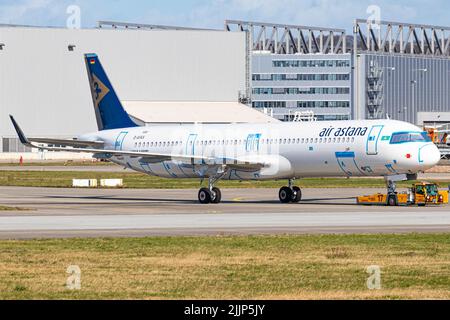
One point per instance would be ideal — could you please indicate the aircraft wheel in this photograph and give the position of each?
(297, 194)
(218, 195)
(285, 195)
(204, 196)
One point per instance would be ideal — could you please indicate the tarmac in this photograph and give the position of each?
(65, 213)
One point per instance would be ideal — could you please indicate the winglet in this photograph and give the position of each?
(23, 139)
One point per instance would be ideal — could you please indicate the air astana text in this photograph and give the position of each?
(344, 132)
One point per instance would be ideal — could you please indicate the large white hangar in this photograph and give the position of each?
(160, 75)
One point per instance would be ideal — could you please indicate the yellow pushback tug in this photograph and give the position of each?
(420, 194)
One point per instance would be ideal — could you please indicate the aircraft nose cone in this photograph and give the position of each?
(430, 155)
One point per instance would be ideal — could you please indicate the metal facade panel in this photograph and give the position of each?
(418, 84)
(45, 85)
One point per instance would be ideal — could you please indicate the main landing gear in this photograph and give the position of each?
(290, 193)
(206, 195)
(211, 194)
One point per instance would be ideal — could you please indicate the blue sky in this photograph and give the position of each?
(212, 13)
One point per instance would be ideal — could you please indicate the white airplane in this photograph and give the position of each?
(385, 148)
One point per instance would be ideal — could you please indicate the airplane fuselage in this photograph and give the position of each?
(286, 150)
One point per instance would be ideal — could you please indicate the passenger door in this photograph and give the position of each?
(372, 140)
(190, 147)
(119, 141)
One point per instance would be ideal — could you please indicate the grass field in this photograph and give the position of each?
(4, 208)
(256, 267)
(58, 163)
(62, 179)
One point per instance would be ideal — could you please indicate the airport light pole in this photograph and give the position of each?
(413, 87)
(413, 90)
(391, 69)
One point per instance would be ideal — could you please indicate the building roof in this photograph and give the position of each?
(192, 112)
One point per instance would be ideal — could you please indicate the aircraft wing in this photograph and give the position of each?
(88, 147)
(158, 157)
(69, 143)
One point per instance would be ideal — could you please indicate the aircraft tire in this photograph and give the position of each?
(285, 195)
(204, 196)
(218, 197)
(296, 195)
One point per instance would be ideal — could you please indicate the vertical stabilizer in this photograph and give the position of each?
(109, 111)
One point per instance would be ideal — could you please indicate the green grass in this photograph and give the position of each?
(414, 266)
(60, 179)
(5, 208)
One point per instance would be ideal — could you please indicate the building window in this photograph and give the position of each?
(301, 77)
(310, 63)
(323, 104)
(291, 91)
(269, 104)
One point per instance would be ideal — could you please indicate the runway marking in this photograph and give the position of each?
(239, 199)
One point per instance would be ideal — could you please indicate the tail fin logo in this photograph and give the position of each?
(99, 90)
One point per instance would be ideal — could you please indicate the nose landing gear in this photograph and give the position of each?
(290, 194)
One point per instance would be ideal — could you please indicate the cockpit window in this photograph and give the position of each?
(403, 137)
